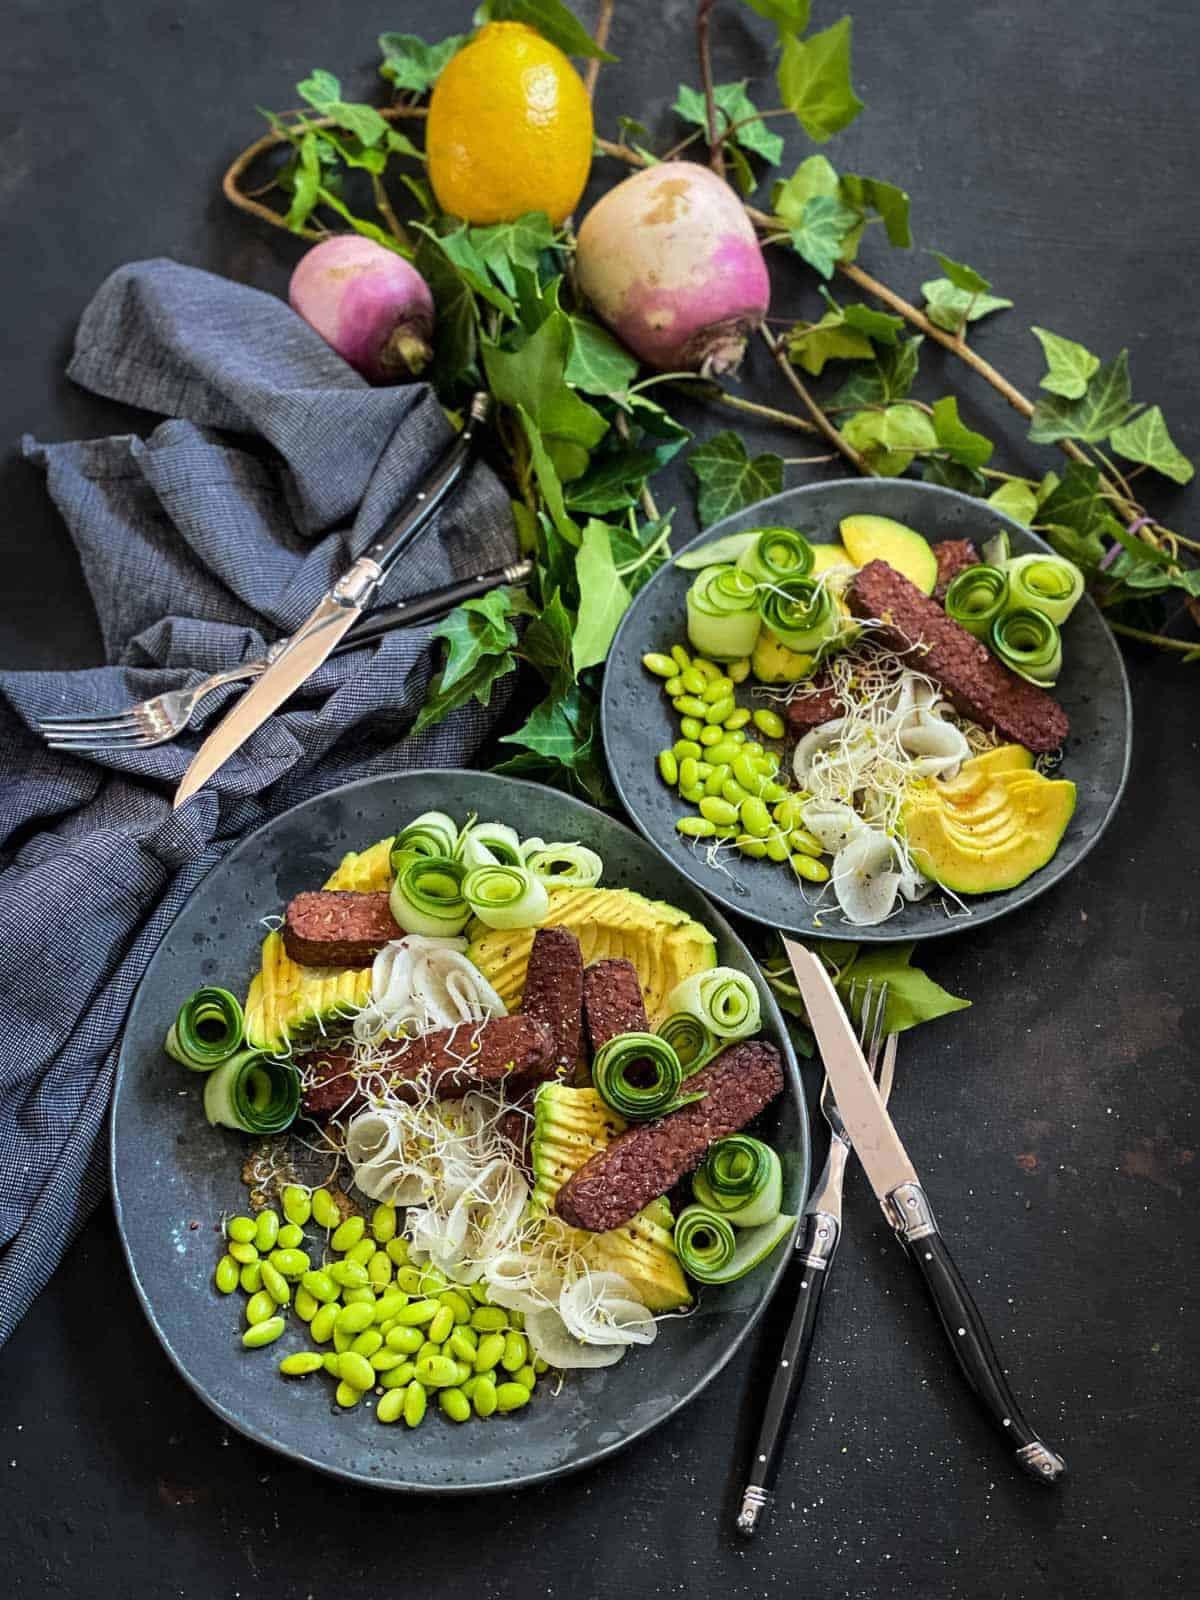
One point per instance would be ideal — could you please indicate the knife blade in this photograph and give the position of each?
(897, 1187)
(336, 614)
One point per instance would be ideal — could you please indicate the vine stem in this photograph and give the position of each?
(1159, 639)
(821, 421)
(600, 35)
(716, 157)
(785, 419)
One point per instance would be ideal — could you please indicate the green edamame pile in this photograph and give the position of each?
(730, 778)
(402, 1332)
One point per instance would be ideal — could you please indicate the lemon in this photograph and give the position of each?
(510, 128)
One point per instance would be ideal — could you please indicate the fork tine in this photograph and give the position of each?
(53, 726)
(134, 740)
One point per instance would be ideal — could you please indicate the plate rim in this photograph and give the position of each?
(842, 932)
(794, 1086)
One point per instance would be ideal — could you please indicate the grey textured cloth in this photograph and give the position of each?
(200, 545)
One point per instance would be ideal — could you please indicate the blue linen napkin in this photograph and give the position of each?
(200, 545)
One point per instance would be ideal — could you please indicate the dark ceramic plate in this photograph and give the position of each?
(638, 721)
(170, 1169)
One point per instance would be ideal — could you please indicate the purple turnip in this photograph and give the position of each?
(671, 263)
(368, 303)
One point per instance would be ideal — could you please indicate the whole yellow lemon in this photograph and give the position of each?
(509, 129)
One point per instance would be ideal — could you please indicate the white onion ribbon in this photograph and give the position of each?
(419, 983)
(723, 999)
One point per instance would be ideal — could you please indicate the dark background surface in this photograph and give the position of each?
(1053, 145)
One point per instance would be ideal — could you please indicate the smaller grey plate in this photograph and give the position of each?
(173, 1176)
(638, 721)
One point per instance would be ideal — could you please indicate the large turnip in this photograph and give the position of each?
(671, 263)
(368, 303)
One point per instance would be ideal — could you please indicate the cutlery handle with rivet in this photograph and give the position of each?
(815, 1248)
(422, 608)
(907, 1209)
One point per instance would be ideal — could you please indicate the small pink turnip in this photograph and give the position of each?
(368, 303)
(671, 263)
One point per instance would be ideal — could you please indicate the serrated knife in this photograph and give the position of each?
(898, 1188)
(337, 613)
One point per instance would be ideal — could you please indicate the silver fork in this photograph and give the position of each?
(816, 1244)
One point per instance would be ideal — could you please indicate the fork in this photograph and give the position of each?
(164, 716)
(816, 1244)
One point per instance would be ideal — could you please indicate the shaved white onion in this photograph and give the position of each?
(832, 822)
(938, 748)
(602, 1308)
(419, 983)
(550, 1338)
(865, 879)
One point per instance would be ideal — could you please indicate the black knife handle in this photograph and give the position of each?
(424, 607)
(908, 1211)
(435, 489)
(815, 1247)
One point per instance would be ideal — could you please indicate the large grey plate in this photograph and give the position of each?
(170, 1169)
(638, 721)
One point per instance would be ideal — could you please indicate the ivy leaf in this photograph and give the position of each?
(559, 736)
(548, 480)
(811, 344)
(890, 378)
(969, 449)
(1075, 502)
(912, 996)
(475, 685)
(890, 439)
(507, 244)
(962, 276)
(821, 233)
(729, 480)
(475, 629)
(816, 176)
(596, 363)
(736, 106)
(953, 475)
(553, 21)
(455, 347)
(531, 379)
(603, 597)
(950, 307)
(1016, 500)
(411, 64)
(546, 644)
(890, 204)
(786, 14)
(1106, 404)
(1147, 440)
(612, 482)
(306, 182)
(324, 93)
(814, 80)
(1069, 365)
(878, 326)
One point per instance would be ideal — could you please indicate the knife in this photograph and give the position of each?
(898, 1188)
(337, 613)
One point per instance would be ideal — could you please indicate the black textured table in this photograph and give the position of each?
(1053, 145)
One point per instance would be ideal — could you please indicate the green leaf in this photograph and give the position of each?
(890, 378)
(596, 363)
(411, 64)
(553, 21)
(811, 344)
(548, 480)
(306, 182)
(814, 80)
(1069, 365)
(603, 597)
(324, 93)
(1016, 500)
(1106, 404)
(612, 482)
(1074, 500)
(907, 428)
(890, 439)
(969, 449)
(455, 348)
(1147, 440)
(507, 244)
(456, 246)
(891, 205)
(815, 176)
(877, 325)
(962, 276)
(820, 235)
(729, 480)
(788, 14)
(476, 685)
(952, 475)
(352, 151)
(558, 729)
(950, 307)
(369, 230)
(475, 629)
(735, 106)
(546, 643)
(912, 996)
(531, 379)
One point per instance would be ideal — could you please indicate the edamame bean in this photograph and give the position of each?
(772, 793)
(723, 753)
(478, 1292)
(414, 1404)
(301, 1364)
(487, 1356)
(668, 767)
(388, 1304)
(348, 1233)
(290, 1237)
(348, 1274)
(291, 1263)
(710, 735)
(755, 817)
(428, 1348)
(391, 1406)
(259, 1307)
(691, 705)
(442, 1325)
(358, 1297)
(688, 772)
(673, 686)
(694, 795)
(680, 656)
(347, 1395)
(226, 1275)
(266, 1230)
(706, 668)
(321, 1326)
(275, 1284)
(455, 1405)
(540, 1366)
(297, 1206)
(330, 1361)
(399, 1377)
(717, 689)
(750, 846)
(732, 791)
(483, 1397)
(769, 722)
(437, 1372)
(432, 1280)
(686, 747)
(661, 666)
(746, 773)
(806, 867)
(321, 1286)
(787, 811)
(250, 1277)
(806, 843)
(777, 848)
(693, 682)
(357, 1370)
(379, 1270)
(353, 1319)
(242, 1251)
(716, 779)
(489, 1319)
(690, 728)
(525, 1375)
(738, 670)
(736, 721)
(367, 1343)
(511, 1397)
(263, 1333)
(324, 1209)
(241, 1230)
(397, 1252)
(362, 1251)
(306, 1306)
(460, 1346)
(720, 709)
(385, 1360)
(342, 1341)
(717, 810)
(409, 1279)
(515, 1351)
(417, 1313)
(460, 1307)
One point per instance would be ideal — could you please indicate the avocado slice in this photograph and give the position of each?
(827, 556)
(869, 538)
(287, 1000)
(773, 662)
(367, 871)
(992, 836)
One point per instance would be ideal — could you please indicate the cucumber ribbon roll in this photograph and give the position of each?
(723, 999)
(570, 865)
(1029, 644)
(776, 555)
(1046, 583)
(427, 896)
(741, 1178)
(253, 1092)
(432, 834)
(711, 1252)
(505, 896)
(653, 1091)
(722, 613)
(801, 613)
(976, 598)
(690, 1039)
(207, 1030)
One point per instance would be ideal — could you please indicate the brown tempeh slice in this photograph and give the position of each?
(554, 993)
(612, 1001)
